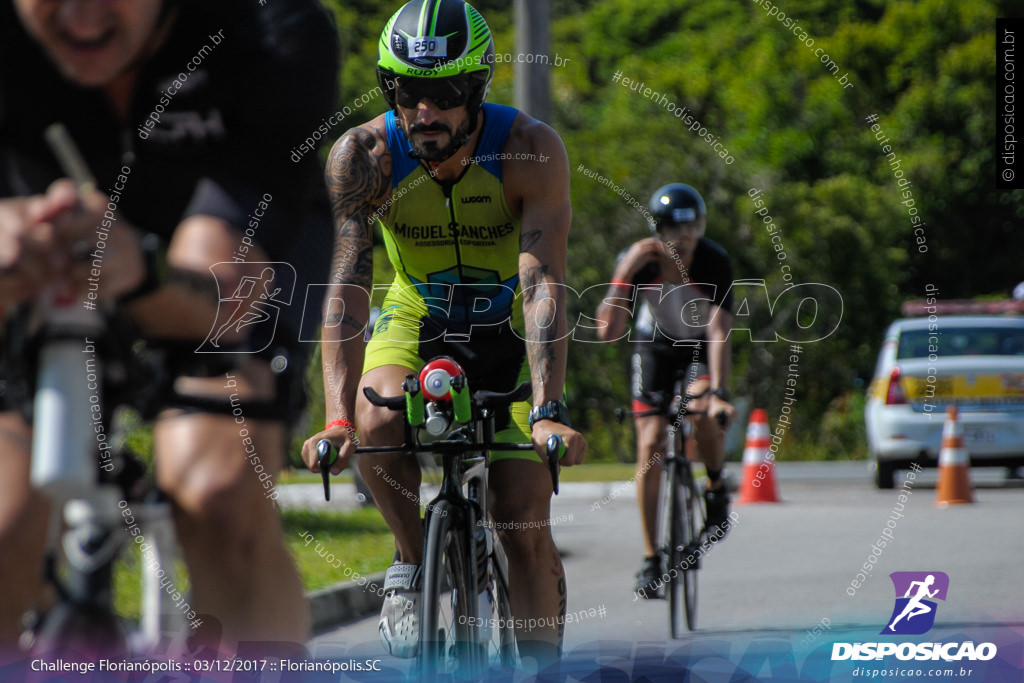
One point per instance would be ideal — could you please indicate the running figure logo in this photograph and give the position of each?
(914, 612)
(256, 304)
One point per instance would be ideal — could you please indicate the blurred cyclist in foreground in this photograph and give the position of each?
(185, 113)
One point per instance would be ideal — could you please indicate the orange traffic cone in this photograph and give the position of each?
(954, 485)
(758, 485)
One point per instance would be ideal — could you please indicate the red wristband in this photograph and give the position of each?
(347, 424)
(622, 285)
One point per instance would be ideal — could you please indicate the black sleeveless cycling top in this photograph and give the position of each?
(214, 120)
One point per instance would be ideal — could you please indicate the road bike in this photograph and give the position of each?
(87, 377)
(471, 632)
(682, 516)
(84, 372)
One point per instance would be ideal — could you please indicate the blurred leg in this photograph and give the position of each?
(391, 476)
(650, 447)
(214, 468)
(521, 508)
(23, 516)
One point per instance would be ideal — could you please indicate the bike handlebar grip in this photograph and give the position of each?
(461, 405)
(556, 449)
(414, 408)
(327, 456)
(493, 399)
(392, 402)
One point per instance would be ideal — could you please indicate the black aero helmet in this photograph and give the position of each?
(446, 41)
(676, 203)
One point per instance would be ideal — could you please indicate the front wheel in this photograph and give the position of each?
(683, 512)
(447, 642)
(500, 634)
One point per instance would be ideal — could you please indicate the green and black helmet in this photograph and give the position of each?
(440, 49)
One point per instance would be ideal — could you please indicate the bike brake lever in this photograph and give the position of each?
(555, 450)
(326, 456)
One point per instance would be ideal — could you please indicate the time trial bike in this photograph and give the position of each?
(470, 633)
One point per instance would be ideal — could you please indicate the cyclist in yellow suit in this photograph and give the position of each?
(473, 203)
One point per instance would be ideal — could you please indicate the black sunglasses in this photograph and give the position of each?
(446, 93)
(672, 226)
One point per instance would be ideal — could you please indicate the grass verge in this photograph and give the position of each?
(359, 539)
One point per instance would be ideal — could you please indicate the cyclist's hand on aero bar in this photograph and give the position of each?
(341, 436)
(30, 256)
(575, 444)
(83, 218)
(639, 255)
(718, 405)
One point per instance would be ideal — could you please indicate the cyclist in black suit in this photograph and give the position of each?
(683, 280)
(186, 113)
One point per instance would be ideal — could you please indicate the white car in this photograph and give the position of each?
(975, 362)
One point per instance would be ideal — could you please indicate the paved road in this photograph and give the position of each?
(786, 567)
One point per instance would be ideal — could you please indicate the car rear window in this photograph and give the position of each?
(960, 341)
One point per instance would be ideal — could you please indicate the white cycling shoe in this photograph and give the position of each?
(399, 619)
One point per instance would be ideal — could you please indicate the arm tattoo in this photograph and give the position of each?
(529, 279)
(344, 319)
(541, 353)
(541, 323)
(358, 177)
(527, 240)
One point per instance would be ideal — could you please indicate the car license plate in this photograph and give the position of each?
(979, 435)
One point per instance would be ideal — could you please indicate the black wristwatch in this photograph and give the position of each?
(552, 410)
(722, 394)
(154, 259)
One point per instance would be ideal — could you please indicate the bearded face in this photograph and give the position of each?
(437, 141)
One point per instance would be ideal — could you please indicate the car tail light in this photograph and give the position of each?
(894, 394)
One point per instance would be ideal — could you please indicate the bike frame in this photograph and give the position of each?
(679, 507)
(463, 491)
(86, 524)
(86, 529)
(465, 454)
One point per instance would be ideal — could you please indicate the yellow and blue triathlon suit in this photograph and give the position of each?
(454, 246)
